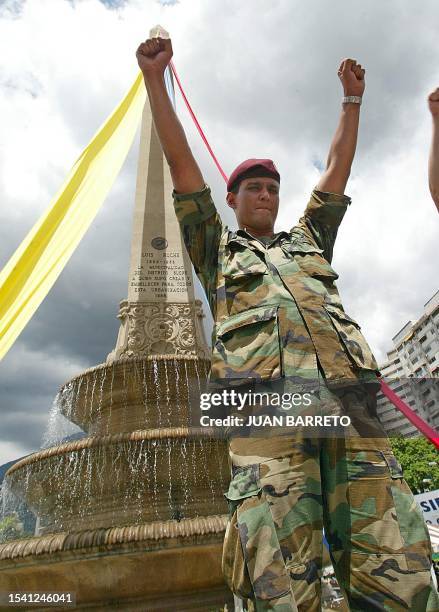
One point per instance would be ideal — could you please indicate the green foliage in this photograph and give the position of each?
(10, 528)
(414, 454)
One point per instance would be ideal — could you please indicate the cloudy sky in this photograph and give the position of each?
(262, 78)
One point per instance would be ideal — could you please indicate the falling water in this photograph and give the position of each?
(169, 450)
(125, 391)
(111, 397)
(184, 474)
(100, 482)
(186, 387)
(145, 393)
(157, 388)
(58, 426)
(202, 445)
(12, 508)
(154, 475)
(103, 373)
(91, 402)
(168, 403)
(194, 469)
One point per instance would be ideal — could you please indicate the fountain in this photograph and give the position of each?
(132, 516)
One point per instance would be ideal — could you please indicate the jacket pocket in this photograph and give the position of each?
(242, 263)
(310, 260)
(371, 526)
(414, 532)
(384, 517)
(252, 560)
(247, 346)
(244, 276)
(351, 337)
(233, 563)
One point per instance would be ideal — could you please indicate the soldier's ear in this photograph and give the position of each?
(230, 197)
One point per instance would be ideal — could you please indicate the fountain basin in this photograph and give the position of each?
(135, 393)
(124, 568)
(121, 479)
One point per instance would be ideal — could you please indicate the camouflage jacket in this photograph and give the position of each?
(276, 307)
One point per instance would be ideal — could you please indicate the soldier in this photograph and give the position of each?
(278, 317)
(433, 165)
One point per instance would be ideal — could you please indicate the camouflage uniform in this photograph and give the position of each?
(278, 316)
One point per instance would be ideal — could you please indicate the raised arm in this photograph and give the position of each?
(153, 57)
(342, 150)
(433, 162)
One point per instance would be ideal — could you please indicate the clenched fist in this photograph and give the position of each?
(351, 76)
(433, 102)
(154, 55)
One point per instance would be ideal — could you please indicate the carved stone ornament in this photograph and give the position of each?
(157, 329)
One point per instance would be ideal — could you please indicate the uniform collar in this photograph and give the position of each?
(243, 236)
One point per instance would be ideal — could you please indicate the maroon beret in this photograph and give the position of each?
(252, 168)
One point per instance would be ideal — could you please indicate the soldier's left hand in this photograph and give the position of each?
(433, 102)
(351, 76)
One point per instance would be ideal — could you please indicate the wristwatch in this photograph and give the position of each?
(354, 99)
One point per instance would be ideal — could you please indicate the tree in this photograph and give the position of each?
(420, 460)
(10, 528)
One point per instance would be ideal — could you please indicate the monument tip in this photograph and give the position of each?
(158, 31)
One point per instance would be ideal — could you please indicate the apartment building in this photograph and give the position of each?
(412, 371)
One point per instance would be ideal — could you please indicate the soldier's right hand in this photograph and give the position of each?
(433, 102)
(154, 55)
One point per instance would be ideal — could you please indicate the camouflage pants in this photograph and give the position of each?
(284, 491)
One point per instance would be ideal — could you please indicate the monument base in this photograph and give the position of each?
(164, 566)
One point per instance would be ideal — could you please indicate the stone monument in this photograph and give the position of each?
(132, 516)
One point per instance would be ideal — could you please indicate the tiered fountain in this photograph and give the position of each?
(132, 516)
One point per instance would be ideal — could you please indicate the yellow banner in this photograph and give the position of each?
(36, 264)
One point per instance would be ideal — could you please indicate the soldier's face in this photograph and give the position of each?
(256, 204)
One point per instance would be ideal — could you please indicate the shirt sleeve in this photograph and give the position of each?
(322, 218)
(201, 228)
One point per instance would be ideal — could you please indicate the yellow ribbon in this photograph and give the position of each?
(34, 267)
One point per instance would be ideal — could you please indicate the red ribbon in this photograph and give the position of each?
(419, 423)
(192, 114)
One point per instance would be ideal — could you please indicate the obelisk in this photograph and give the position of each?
(142, 494)
(161, 315)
